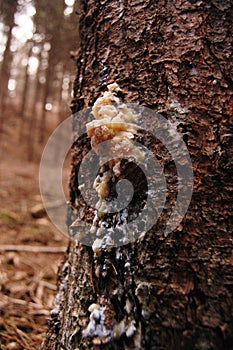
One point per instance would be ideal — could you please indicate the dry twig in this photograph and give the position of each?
(32, 249)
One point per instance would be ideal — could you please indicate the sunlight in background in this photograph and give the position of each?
(33, 63)
(24, 28)
(70, 7)
(11, 84)
(48, 106)
(69, 2)
(2, 41)
(68, 11)
(30, 51)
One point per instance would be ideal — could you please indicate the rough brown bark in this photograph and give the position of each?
(176, 58)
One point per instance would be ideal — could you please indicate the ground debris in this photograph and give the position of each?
(30, 252)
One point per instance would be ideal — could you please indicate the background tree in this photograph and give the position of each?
(176, 58)
(35, 68)
(7, 13)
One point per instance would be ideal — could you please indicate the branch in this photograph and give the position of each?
(32, 249)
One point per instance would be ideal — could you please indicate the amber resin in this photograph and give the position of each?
(112, 138)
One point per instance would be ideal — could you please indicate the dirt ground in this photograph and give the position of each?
(27, 278)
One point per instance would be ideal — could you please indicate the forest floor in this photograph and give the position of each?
(27, 279)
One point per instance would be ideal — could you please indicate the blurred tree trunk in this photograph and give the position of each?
(7, 58)
(60, 99)
(33, 120)
(176, 58)
(25, 94)
(46, 90)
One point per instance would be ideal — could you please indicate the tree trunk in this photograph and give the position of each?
(60, 99)
(6, 65)
(173, 292)
(24, 107)
(46, 90)
(33, 120)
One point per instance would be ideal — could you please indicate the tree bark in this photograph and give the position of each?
(176, 58)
